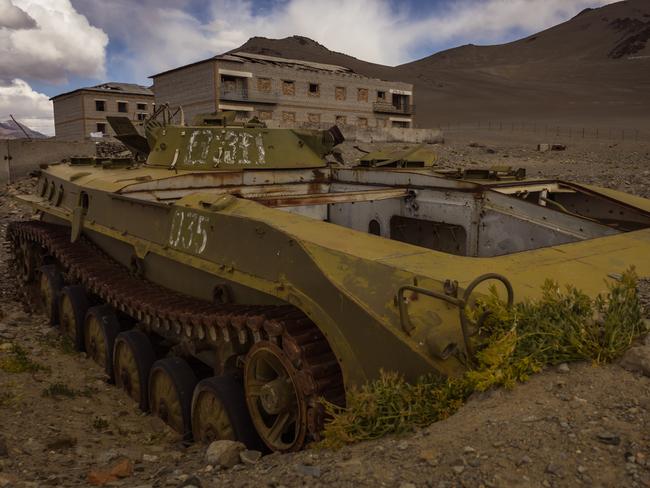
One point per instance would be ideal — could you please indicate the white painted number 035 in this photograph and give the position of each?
(189, 231)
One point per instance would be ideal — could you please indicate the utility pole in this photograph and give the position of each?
(20, 127)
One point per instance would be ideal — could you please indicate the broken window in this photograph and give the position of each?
(265, 114)
(100, 105)
(362, 95)
(313, 118)
(264, 85)
(339, 93)
(101, 128)
(122, 107)
(341, 120)
(288, 87)
(142, 106)
(381, 96)
(289, 117)
(362, 122)
(141, 116)
(314, 90)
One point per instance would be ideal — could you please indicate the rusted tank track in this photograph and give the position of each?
(187, 319)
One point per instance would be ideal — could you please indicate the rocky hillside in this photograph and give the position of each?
(10, 130)
(591, 70)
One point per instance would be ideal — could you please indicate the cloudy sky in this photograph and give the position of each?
(52, 46)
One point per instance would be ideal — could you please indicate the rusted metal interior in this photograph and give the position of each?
(422, 208)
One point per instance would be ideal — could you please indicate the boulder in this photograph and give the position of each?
(224, 453)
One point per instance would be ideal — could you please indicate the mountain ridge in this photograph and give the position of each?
(11, 130)
(589, 70)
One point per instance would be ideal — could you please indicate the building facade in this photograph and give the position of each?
(82, 112)
(285, 92)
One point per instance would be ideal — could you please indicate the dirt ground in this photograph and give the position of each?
(575, 426)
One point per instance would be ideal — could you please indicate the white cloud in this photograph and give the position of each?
(11, 17)
(162, 34)
(28, 106)
(61, 43)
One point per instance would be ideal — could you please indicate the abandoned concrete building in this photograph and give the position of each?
(83, 111)
(285, 92)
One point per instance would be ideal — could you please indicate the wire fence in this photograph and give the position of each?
(553, 130)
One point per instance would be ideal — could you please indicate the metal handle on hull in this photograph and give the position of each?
(465, 322)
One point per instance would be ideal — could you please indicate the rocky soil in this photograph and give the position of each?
(576, 425)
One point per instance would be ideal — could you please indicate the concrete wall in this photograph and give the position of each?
(338, 95)
(193, 87)
(68, 117)
(92, 117)
(75, 115)
(198, 89)
(18, 157)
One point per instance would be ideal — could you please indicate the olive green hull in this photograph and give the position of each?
(346, 281)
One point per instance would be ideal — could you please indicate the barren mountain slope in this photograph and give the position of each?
(592, 70)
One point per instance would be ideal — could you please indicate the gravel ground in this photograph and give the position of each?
(574, 426)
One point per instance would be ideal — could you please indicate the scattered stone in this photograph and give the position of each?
(225, 453)
(563, 368)
(313, 471)
(61, 442)
(582, 469)
(249, 456)
(190, 482)
(558, 147)
(609, 438)
(6, 481)
(555, 470)
(524, 460)
(430, 456)
(4, 450)
(637, 360)
(403, 446)
(543, 147)
(122, 469)
(149, 458)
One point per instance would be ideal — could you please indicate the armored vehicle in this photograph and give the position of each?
(229, 278)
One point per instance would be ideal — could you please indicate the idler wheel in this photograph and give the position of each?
(50, 285)
(133, 357)
(171, 384)
(277, 407)
(219, 412)
(73, 305)
(101, 327)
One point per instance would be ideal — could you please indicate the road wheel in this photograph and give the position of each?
(171, 384)
(276, 406)
(50, 285)
(100, 330)
(219, 412)
(73, 305)
(133, 357)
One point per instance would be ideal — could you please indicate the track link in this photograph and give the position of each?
(184, 318)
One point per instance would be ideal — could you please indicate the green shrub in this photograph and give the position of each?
(510, 345)
(17, 361)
